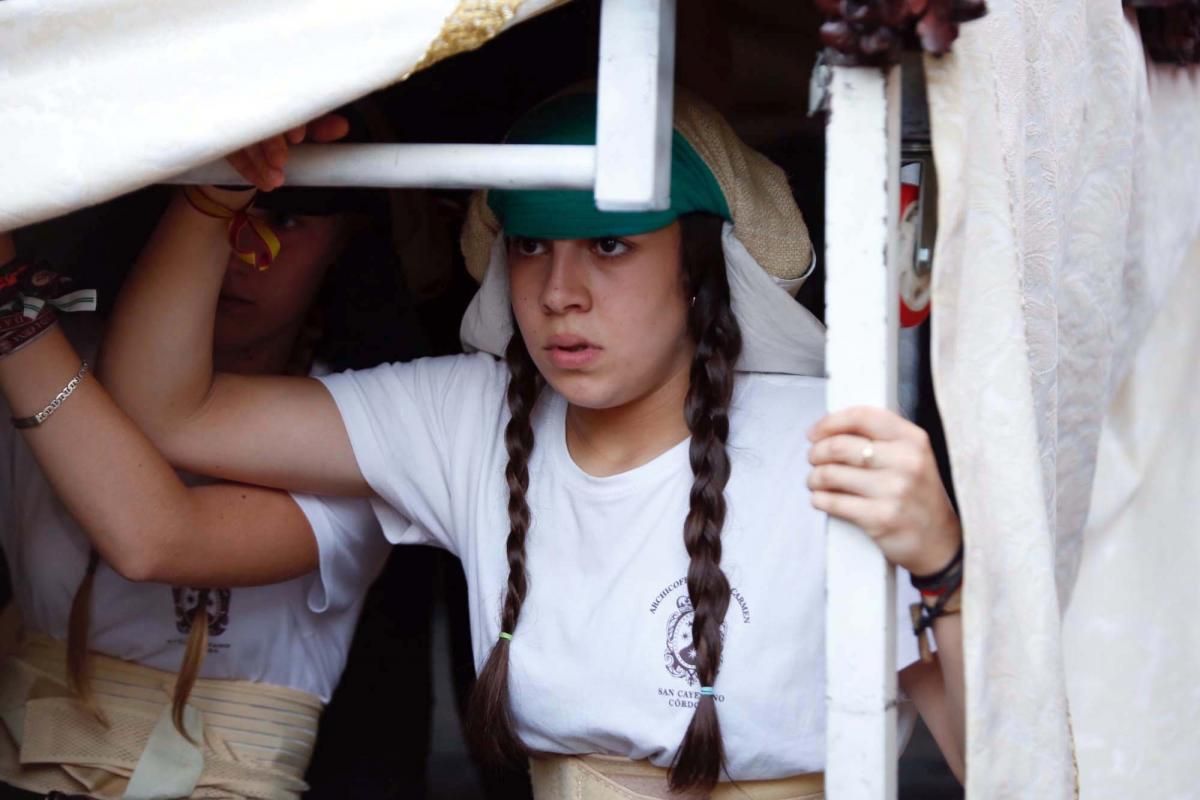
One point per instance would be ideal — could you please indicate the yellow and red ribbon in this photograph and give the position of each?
(240, 220)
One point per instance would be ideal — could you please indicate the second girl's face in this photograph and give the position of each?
(256, 306)
(605, 320)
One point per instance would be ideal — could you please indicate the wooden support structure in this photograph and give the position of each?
(629, 168)
(861, 206)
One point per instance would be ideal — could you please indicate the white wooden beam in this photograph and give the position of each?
(629, 169)
(636, 88)
(861, 203)
(443, 166)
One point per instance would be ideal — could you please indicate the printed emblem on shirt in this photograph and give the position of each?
(680, 653)
(216, 612)
(681, 650)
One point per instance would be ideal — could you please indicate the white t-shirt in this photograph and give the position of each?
(600, 658)
(295, 634)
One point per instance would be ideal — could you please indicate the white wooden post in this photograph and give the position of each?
(636, 94)
(861, 197)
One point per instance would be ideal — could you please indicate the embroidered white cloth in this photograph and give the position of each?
(101, 97)
(1129, 635)
(1070, 192)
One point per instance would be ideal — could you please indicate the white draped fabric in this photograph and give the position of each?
(1130, 637)
(104, 96)
(1070, 192)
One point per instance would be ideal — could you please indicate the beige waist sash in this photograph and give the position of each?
(609, 778)
(255, 740)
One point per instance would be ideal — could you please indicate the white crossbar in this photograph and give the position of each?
(629, 169)
(863, 150)
(442, 166)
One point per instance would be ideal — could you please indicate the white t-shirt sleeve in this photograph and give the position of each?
(420, 432)
(351, 550)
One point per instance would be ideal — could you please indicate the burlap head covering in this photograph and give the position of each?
(766, 247)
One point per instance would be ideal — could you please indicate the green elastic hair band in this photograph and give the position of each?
(507, 636)
(572, 214)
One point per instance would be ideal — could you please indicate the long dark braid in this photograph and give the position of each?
(701, 755)
(490, 726)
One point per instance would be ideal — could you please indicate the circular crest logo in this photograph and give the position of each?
(187, 605)
(680, 655)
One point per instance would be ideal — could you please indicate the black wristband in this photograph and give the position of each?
(947, 578)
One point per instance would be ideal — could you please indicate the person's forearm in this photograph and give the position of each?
(157, 354)
(108, 475)
(947, 631)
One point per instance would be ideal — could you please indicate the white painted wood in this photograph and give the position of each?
(636, 89)
(445, 166)
(862, 197)
(629, 169)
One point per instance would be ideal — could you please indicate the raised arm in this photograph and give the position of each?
(141, 518)
(157, 361)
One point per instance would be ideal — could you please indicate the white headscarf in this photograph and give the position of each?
(778, 334)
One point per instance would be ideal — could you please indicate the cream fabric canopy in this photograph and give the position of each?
(1070, 196)
(104, 96)
(1130, 637)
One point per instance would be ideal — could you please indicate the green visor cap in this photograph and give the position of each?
(572, 214)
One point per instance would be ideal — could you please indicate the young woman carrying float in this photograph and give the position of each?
(108, 669)
(658, 381)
